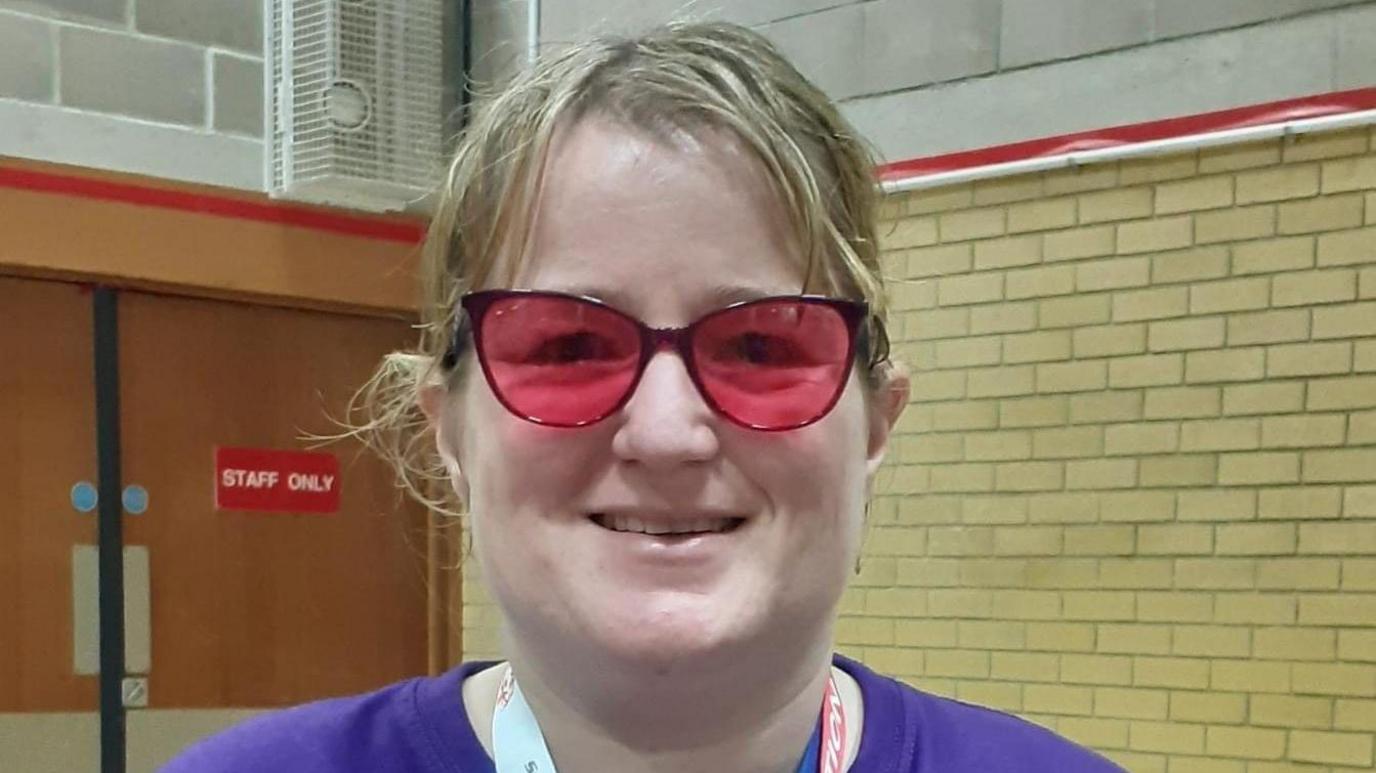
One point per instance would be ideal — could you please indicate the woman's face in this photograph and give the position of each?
(665, 232)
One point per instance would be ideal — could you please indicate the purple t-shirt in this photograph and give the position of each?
(420, 726)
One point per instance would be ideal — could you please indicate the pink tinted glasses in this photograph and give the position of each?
(563, 360)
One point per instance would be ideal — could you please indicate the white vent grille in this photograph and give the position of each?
(354, 93)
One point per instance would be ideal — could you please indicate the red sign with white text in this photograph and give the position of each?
(268, 481)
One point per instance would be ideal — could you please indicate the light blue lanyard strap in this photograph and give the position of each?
(517, 743)
(519, 746)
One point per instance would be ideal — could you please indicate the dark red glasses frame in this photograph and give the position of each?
(679, 339)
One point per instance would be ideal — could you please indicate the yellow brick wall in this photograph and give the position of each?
(1134, 497)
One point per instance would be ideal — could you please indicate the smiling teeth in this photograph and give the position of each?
(626, 523)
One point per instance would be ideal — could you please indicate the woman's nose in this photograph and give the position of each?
(666, 422)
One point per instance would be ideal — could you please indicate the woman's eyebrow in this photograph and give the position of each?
(714, 296)
(723, 295)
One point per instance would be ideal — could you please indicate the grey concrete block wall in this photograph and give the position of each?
(1036, 31)
(908, 43)
(130, 84)
(1187, 17)
(500, 31)
(838, 66)
(140, 77)
(913, 43)
(921, 76)
(499, 40)
(236, 24)
(238, 95)
(754, 12)
(927, 77)
(1247, 66)
(1355, 55)
(112, 12)
(26, 61)
(569, 20)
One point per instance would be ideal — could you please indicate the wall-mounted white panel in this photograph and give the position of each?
(138, 617)
(86, 610)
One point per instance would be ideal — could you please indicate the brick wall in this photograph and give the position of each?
(162, 87)
(1134, 497)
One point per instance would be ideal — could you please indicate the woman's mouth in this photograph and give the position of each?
(681, 526)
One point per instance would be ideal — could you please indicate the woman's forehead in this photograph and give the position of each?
(602, 165)
(623, 216)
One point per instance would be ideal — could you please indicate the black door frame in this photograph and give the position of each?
(109, 529)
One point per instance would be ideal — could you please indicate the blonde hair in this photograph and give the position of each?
(682, 77)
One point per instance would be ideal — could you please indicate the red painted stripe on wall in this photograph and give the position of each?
(1236, 118)
(409, 232)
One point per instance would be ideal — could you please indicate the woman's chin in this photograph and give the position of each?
(665, 633)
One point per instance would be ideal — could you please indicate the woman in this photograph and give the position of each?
(657, 377)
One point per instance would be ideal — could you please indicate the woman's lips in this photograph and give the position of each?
(671, 526)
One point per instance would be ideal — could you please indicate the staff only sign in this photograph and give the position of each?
(269, 481)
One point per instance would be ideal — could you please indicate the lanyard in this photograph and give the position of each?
(519, 746)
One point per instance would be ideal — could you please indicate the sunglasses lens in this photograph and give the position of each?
(776, 364)
(558, 361)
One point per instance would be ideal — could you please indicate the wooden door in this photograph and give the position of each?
(251, 609)
(47, 445)
(247, 611)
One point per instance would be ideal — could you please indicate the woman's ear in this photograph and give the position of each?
(890, 398)
(431, 399)
(434, 403)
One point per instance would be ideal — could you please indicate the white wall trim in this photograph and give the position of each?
(1133, 150)
(65, 135)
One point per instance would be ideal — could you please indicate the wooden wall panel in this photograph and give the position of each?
(71, 223)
